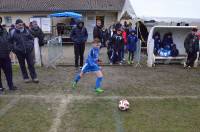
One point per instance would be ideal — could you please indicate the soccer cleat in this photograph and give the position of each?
(74, 85)
(99, 90)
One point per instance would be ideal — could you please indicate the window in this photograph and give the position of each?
(8, 20)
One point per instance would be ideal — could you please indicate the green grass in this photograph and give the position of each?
(28, 116)
(4, 102)
(169, 115)
(87, 116)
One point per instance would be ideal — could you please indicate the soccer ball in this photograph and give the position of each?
(123, 105)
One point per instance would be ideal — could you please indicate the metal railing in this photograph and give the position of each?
(55, 51)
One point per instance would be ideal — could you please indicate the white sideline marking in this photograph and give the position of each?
(60, 112)
(118, 121)
(80, 97)
(5, 109)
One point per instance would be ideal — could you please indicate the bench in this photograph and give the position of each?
(166, 60)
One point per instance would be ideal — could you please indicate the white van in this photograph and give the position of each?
(179, 34)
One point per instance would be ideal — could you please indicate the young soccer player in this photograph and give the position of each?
(92, 65)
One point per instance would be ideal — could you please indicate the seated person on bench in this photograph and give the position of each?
(157, 42)
(167, 43)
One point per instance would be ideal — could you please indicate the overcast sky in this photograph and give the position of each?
(167, 8)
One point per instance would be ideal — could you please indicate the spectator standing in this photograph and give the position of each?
(23, 45)
(5, 61)
(191, 45)
(79, 36)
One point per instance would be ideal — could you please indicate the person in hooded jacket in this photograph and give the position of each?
(167, 41)
(79, 36)
(5, 61)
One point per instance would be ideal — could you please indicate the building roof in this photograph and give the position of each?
(60, 5)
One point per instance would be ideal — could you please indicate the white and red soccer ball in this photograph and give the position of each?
(124, 105)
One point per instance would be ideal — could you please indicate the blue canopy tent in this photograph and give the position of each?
(65, 29)
(66, 14)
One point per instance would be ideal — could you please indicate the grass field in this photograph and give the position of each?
(163, 99)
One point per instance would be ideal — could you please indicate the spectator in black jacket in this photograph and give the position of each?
(191, 44)
(5, 62)
(23, 45)
(37, 32)
(97, 32)
(117, 45)
(79, 36)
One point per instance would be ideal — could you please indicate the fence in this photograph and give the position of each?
(55, 51)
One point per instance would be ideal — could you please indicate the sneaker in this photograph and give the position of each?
(111, 63)
(27, 80)
(13, 88)
(74, 85)
(129, 62)
(2, 89)
(80, 68)
(99, 90)
(35, 80)
(120, 63)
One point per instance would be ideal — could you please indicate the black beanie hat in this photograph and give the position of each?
(19, 21)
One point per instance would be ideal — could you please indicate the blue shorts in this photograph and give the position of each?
(87, 68)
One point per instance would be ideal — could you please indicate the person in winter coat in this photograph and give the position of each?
(117, 44)
(105, 37)
(79, 36)
(23, 45)
(167, 41)
(157, 42)
(132, 45)
(97, 31)
(37, 32)
(191, 45)
(5, 62)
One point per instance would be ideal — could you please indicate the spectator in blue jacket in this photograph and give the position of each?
(79, 36)
(132, 45)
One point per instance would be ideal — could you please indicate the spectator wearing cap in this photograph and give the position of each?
(191, 45)
(23, 45)
(5, 62)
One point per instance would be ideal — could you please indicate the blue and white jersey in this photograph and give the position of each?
(93, 57)
(91, 64)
